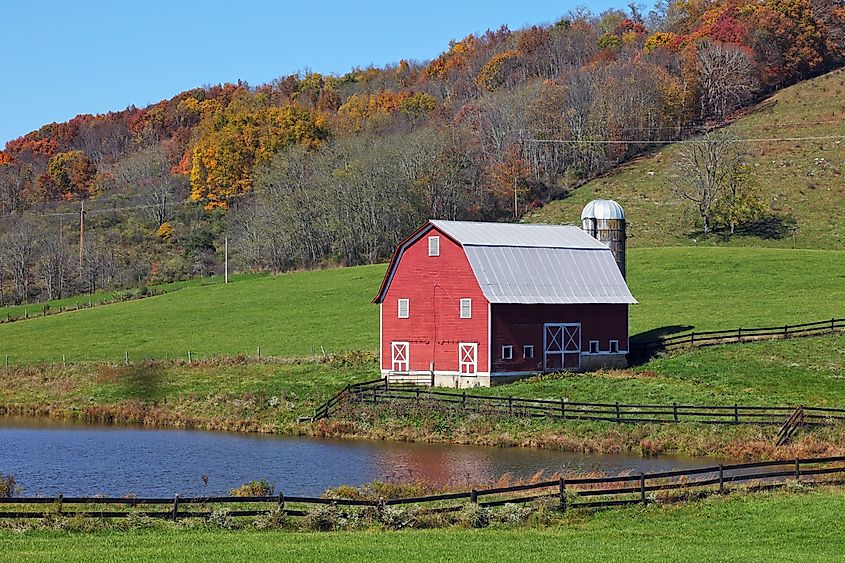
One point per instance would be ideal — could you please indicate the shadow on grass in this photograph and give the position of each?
(639, 353)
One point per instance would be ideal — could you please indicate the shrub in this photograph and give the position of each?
(513, 514)
(474, 516)
(397, 518)
(322, 519)
(275, 519)
(254, 489)
(8, 486)
(220, 517)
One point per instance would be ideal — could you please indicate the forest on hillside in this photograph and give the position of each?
(313, 169)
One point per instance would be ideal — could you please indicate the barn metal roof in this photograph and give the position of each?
(540, 264)
(511, 234)
(516, 263)
(510, 274)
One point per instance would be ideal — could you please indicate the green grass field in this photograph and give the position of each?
(301, 314)
(802, 179)
(751, 527)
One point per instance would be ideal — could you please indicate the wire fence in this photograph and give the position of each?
(583, 492)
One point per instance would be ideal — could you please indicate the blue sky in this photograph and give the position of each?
(65, 58)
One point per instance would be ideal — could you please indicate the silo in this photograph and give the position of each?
(604, 220)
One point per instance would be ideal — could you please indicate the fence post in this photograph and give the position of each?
(563, 409)
(418, 394)
(643, 498)
(282, 503)
(832, 325)
(797, 470)
(675, 411)
(464, 400)
(562, 492)
(258, 352)
(692, 338)
(510, 405)
(721, 479)
(739, 334)
(473, 496)
(785, 331)
(618, 414)
(190, 359)
(7, 361)
(64, 361)
(380, 506)
(59, 500)
(736, 413)
(175, 510)
(126, 357)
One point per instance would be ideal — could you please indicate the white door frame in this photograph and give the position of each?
(468, 358)
(563, 342)
(400, 356)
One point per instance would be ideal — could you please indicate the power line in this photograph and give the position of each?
(683, 141)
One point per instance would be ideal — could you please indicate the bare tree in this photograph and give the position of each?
(19, 253)
(147, 171)
(55, 268)
(726, 75)
(707, 166)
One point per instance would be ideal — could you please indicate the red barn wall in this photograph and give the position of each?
(435, 286)
(518, 325)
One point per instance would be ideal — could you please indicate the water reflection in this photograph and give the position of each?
(49, 458)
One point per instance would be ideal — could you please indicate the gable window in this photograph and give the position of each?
(594, 346)
(404, 308)
(434, 246)
(466, 308)
(614, 346)
(528, 351)
(507, 352)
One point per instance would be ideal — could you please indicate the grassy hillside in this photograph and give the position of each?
(293, 315)
(764, 526)
(802, 179)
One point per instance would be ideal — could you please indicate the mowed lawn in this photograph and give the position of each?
(760, 527)
(306, 313)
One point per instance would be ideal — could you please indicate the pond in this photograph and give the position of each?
(49, 457)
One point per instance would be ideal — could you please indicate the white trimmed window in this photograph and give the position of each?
(507, 352)
(466, 308)
(404, 308)
(434, 246)
(594, 346)
(614, 346)
(528, 351)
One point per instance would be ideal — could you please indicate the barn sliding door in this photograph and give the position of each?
(561, 346)
(399, 353)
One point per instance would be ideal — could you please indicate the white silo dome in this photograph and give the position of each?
(602, 209)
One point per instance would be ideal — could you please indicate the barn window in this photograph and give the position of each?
(434, 246)
(466, 308)
(507, 352)
(614, 346)
(404, 306)
(528, 351)
(594, 346)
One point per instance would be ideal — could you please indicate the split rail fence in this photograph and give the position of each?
(380, 392)
(588, 492)
(737, 335)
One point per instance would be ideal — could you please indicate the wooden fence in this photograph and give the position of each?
(737, 335)
(380, 392)
(589, 492)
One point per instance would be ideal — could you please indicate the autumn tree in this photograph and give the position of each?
(740, 202)
(69, 176)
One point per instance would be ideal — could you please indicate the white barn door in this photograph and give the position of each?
(468, 357)
(561, 346)
(399, 354)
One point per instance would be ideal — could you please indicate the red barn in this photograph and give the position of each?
(466, 304)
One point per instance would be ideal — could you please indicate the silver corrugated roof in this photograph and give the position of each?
(511, 234)
(539, 263)
(547, 275)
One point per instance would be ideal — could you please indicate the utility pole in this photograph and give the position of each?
(226, 260)
(81, 234)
